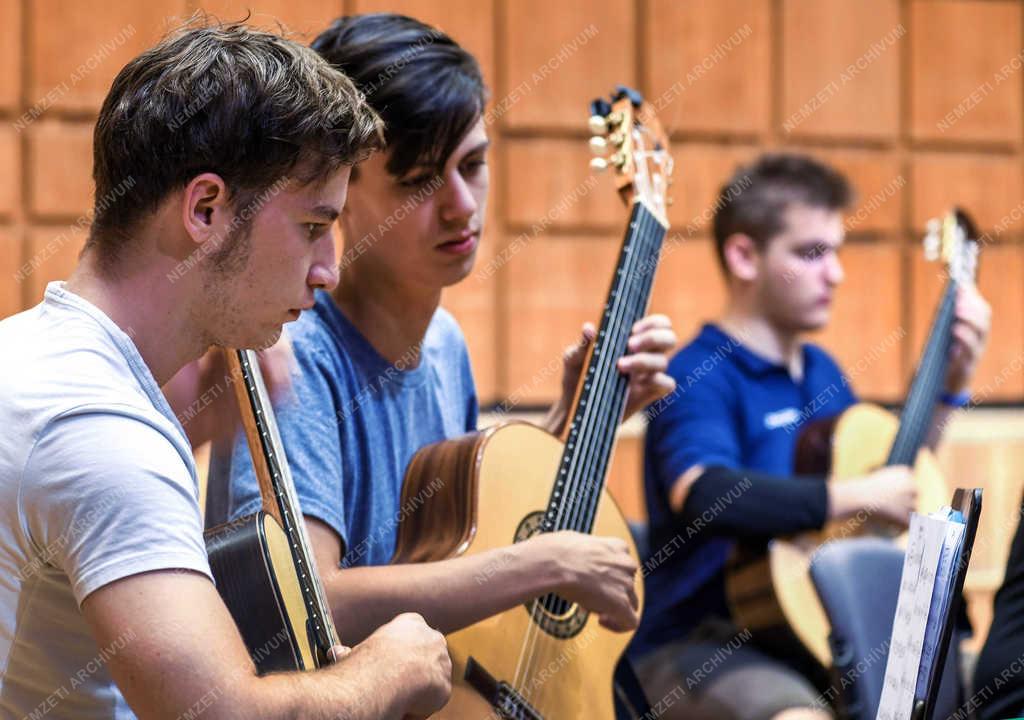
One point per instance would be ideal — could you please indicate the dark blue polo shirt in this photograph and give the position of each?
(731, 408)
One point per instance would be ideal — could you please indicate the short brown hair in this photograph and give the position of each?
(248, 105)
(755, 198)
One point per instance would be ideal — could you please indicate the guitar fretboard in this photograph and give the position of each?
(286, 503)
(602, 395)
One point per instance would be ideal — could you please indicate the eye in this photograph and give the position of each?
(471, 167)
(416, 180)
(315, 230)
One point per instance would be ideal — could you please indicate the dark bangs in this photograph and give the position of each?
(426, 88)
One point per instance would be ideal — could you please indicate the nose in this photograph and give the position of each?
(834, 269)
(457, 202)
(323, 273)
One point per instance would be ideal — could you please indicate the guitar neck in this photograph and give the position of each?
(278, 490)
(601, 393)
(916, 418)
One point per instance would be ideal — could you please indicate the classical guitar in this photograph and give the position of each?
(547, 658)
(262, 563)
(772, 593)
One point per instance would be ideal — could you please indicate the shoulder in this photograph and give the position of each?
(708, 358)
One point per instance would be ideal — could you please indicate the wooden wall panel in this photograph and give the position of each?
(10, 167)
(689, 286)
(708, 64)
(966, 66)
(60, 169)
(558, 282)
(549, 47)
(840, 67)
(10, 264)
(549, 181)
(701, 169)
(11, 54)
(75, 51)
(880, 185)
(987, 186)
(305, 18)
(866, 333)
(52, 255)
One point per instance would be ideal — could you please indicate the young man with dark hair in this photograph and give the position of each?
(745, 386)
(238, 145)
(384, 371)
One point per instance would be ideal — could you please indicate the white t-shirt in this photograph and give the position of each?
(97, 482)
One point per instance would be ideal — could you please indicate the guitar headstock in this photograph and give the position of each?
(629, 139)
(954, 240)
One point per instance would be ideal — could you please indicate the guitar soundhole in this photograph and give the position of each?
(554, 615)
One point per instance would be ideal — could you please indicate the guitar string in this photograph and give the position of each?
(571, 480)
(563, 495)
(924, 392)
(635, 304)
(606, 366)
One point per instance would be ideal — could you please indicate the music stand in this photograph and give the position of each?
(968, 502)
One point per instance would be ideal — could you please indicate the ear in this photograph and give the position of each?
(742, 256)
(206, 212)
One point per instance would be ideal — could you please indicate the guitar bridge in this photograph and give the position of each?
(505, 699)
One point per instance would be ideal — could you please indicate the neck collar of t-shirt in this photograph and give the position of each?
(751, 362)
(58, 294)
(377, 368)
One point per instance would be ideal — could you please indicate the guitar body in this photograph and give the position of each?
(256, 577)
(773, 594)
(497, 485)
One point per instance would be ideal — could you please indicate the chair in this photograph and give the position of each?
(858, 581)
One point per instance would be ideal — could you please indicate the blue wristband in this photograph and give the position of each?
(958, 400)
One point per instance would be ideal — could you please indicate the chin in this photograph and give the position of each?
(460, 272)
(260, 339)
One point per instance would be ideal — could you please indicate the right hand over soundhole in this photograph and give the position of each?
(416, 657)
(598, 573)
(889, 494)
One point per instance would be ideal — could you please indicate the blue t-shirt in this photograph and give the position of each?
(731, 408)
(353, 421)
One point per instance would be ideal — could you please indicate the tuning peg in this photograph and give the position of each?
(617, 138)
(931, 239)
(598, 124)
(598, 164)
(618, 159)
(598, 145)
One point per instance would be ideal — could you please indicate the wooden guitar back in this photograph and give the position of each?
(502, 482)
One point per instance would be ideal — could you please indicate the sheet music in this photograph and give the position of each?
(945, 577)
(924, 547)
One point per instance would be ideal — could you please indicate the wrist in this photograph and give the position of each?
(842, 499)
(546, 561)
(955, 399)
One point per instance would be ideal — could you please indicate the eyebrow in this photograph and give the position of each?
(326, 212)
(483, 145)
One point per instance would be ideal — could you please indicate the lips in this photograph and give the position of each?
(462, 243)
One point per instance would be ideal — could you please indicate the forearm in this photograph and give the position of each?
(365, 685)
(742, 503)
(449, 594)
